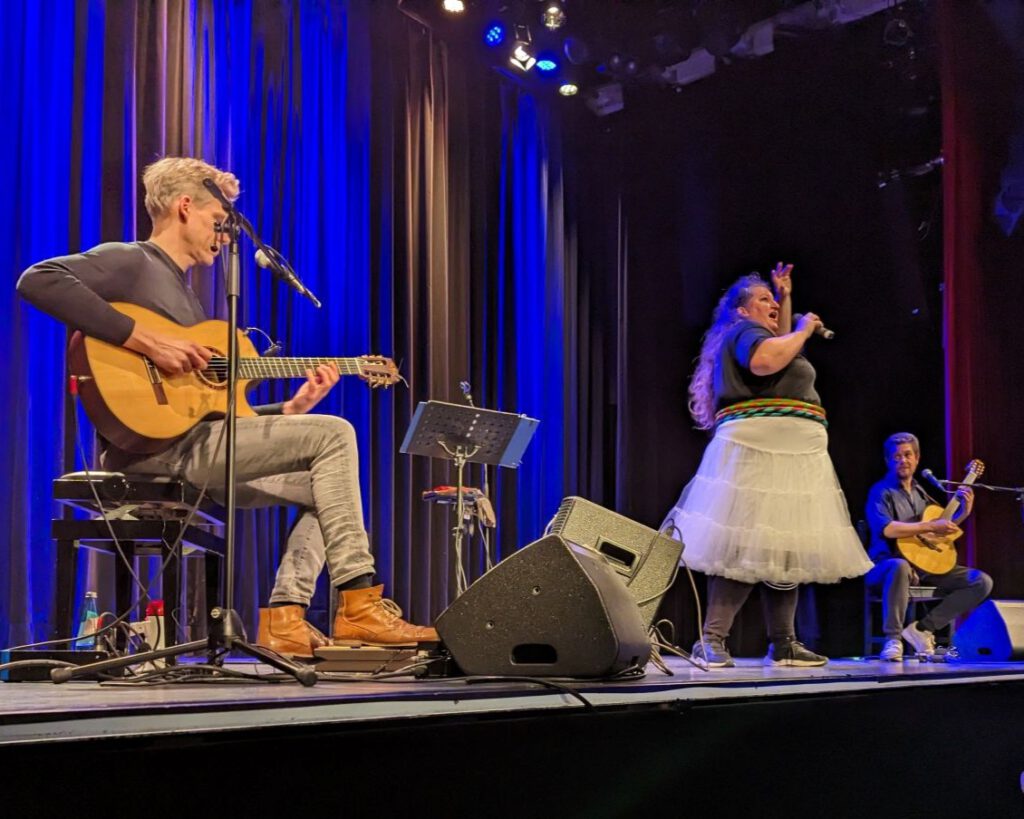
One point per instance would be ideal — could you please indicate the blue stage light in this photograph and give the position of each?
(546, 65)
(495, 34)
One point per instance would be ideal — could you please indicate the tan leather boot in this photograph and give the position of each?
(284, 629)
(366, 618)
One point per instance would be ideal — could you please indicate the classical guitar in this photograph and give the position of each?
(140, 409)
(936, 554)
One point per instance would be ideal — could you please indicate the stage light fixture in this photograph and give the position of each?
(495, 34)
(605, 99)
(554, 15)
(568, 89)
(522, 58)
(454, 6)
(546, 65)
(522, 52)
(576, 51)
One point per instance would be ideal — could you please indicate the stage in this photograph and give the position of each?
(854, 738)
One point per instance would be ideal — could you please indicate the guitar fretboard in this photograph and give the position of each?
(260, 368)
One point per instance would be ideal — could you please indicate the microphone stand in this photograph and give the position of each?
(1016, 490)
(226, 632)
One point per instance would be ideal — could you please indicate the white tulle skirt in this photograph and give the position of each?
(765, 505)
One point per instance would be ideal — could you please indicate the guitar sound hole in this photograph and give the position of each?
(216, 373)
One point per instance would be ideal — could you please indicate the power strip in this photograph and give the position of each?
(152, 631)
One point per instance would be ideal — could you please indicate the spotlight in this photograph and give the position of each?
(546, 65)
(454, 6)
(897, 33)
(522, 58)
(568, 89)
(554, 15)
(522, 55)
(576, 50)
(495, 34)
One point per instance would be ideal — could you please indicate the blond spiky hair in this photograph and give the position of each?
(173, 176)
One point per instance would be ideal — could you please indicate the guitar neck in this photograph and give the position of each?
(265, 368)
(953, 507)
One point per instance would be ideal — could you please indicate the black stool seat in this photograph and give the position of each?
(146, 515)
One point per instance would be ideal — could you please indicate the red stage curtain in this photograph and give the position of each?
(984, 280)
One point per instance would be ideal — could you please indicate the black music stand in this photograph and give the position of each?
(465, 434)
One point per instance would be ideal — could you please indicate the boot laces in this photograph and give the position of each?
(391, 609)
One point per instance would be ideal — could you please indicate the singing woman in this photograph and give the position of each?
(765, 506)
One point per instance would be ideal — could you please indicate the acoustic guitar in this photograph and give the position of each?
(936, 554)
(142, 410)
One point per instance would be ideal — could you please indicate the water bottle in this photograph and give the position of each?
(87, 624)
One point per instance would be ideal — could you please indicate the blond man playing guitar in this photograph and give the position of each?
(896, 510)
(285, 455)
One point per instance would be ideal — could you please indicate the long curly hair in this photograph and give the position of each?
(723, 319)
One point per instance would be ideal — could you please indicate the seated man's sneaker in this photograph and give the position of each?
(892, 650)
(364, 617)
(284, 629)
(792, 653)
(717, 655)
(923, 642)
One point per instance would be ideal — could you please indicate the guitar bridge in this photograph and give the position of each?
(156, 380)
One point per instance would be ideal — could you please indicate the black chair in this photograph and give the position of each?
(147, 514)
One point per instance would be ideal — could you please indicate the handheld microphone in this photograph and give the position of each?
(821, 330)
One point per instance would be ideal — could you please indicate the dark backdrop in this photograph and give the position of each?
(680, 193)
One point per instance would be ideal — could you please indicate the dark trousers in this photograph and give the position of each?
(961, 590)
(726, 597)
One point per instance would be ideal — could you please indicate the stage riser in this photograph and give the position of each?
(883, 753)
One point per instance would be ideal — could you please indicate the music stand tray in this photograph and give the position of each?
(467, 434)
(486, 436)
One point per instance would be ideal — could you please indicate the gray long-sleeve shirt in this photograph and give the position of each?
(77, 289)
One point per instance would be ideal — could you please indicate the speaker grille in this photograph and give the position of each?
(644, 558)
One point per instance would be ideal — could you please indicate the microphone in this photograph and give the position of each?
(821, 330)
(284, 273)
(218, 194)
(929, 476)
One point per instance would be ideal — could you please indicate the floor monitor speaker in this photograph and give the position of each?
(552, 609)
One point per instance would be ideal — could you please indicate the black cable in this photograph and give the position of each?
(174, 549)
(546, 683)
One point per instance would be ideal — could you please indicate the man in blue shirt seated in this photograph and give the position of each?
(894, 508)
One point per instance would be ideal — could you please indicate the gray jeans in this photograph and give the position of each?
(961, 590)
(310, 461)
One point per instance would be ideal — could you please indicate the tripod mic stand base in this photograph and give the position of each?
(226, 633)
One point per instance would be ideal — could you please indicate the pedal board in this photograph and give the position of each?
(429, 660)
(365, 659)
(41, 673)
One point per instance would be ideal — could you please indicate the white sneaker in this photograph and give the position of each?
(923, 642)
(892, 651)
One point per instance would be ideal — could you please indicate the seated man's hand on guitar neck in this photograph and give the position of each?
(171, 355)
(315, 387)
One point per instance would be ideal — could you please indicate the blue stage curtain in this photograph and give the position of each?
(416, 200)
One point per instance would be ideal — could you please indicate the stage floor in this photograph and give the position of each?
(40, 712)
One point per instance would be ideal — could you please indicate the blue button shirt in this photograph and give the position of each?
(889, 501)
